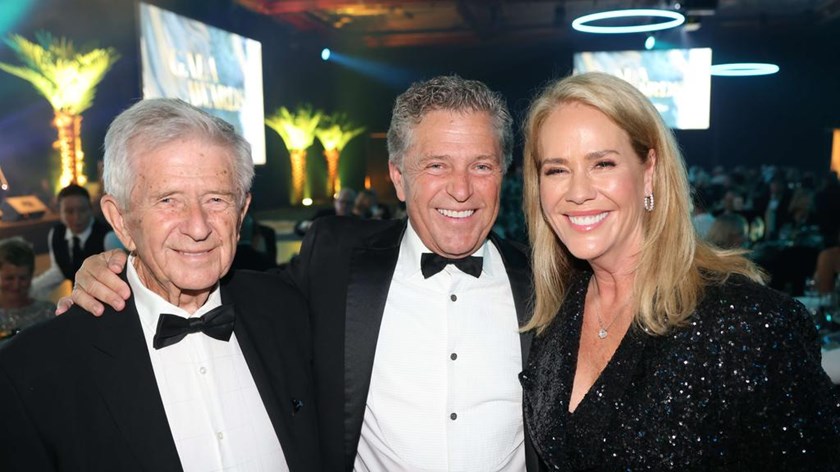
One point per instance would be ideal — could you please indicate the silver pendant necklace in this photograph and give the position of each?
(604, 330)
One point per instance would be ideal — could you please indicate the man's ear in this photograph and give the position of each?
(115, 217)
(397, 179)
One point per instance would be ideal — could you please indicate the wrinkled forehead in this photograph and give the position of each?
(141, 144)
(188, 165)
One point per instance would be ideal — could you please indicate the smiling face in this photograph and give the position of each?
(183, 220)
(14, 285)
(450, 181)
(592, 185)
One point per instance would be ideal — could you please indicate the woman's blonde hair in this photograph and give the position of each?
(674, 265)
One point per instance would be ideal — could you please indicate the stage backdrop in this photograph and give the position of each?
(677, 81)
(213, 69)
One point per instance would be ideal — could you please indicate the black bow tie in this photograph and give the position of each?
(431, 264)
(216, 323)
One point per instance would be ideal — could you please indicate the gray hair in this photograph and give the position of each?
(152, 123)
(452, 93)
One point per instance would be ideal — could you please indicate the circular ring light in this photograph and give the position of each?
(674, 19)
(743, 69)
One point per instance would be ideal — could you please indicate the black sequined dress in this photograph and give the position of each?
(739, 388)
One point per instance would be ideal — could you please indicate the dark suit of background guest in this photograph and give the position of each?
(79, 394)
(63, 266)
(61, 251)
(344, 270)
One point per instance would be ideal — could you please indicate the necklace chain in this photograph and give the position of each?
(604, 330)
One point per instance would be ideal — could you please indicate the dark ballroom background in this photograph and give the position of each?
(515, 46)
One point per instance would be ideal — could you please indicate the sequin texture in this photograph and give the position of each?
(739, 388)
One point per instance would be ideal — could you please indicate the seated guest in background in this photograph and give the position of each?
(729, 231)
(732, 202)
(17, 308)
(264, 240)
(78, 236)
(700, 216)
(248, 256)
(367, 206)
(342, 206)
(801, 228)
(173, 383)
(828, 267)
(654, 349)
(773, 205)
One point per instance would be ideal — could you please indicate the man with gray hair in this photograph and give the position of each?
(415, 323)
(197, 374)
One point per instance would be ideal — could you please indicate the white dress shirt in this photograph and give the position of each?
(51, 278)
(215, 413)
(444, 392)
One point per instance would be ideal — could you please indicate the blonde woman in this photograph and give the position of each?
(654, 350)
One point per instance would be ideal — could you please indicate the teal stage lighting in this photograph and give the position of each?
(673, 18)
(744, 69)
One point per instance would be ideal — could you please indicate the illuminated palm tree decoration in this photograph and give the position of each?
(334, 134)
(298, 133)
(68, 79)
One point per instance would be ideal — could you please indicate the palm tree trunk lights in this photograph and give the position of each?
(334, 134)
(298, 133)
(67, 78)
(69, 146)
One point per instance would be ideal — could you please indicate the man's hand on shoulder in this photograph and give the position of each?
(98, 282)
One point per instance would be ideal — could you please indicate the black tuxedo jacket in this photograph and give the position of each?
(344, 269)
(78, 393)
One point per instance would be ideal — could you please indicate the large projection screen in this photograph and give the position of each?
(215, 70)
(677, 81)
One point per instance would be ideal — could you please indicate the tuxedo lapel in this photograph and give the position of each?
(518, 269)
(122, 369)
(372, 266)
(271, 385)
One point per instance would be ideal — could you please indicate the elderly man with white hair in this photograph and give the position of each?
(196, 374)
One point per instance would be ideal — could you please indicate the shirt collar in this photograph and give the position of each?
(83, 236)
(412, 249)
(150, 305)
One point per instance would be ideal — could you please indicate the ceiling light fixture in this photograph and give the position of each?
(674, 19)
(743, 69)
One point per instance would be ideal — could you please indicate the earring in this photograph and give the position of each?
(649, 202)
